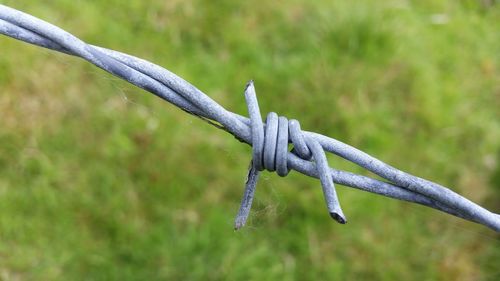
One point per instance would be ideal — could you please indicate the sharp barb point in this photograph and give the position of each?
(339, 218)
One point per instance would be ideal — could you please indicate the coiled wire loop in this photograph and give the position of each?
(270, 150)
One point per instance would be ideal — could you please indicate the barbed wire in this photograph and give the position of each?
(269, 141)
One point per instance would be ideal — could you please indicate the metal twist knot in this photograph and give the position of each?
(270, 152)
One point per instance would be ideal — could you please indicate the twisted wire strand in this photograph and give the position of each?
(170, 87)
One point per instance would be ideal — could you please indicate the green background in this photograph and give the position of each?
(102, 181)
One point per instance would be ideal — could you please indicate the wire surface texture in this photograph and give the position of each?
(270, 140)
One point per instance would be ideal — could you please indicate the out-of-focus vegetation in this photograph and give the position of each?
(102, 181)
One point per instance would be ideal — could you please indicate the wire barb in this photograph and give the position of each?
(269, 142)
(270, 152)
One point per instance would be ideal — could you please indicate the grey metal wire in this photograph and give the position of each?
(268, 141)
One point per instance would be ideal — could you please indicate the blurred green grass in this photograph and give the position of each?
(101, 181)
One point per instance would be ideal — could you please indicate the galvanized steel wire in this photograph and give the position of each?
(269, 141)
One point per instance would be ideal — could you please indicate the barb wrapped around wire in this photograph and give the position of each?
(270, 151)
(268, 141)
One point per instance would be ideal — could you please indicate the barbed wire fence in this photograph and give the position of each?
(269, 140)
